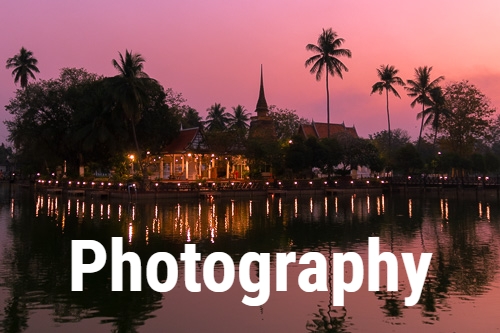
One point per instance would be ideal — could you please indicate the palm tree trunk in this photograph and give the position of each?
(421, 128)
(327, 103)
(388, 122)
(435, 136)
(141, 165)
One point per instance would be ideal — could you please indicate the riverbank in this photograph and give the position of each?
(233, 189)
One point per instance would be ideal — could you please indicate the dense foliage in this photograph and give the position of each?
(75, 118)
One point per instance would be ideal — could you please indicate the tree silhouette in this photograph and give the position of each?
(437, 112)
(130, 90)
(328, 50)
(387, 75)
(420, 88)
(217, 119)
(24, 65)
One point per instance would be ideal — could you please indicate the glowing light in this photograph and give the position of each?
(279, 206)
(383, 204)
(326, 206)
(295, 207)
(410, 208)
(130, 232)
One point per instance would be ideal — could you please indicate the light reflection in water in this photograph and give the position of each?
(368, 203)
(295, 207)
(130, 232)
(467, 251)
(410, 208)
(326, 206)
(352, 203)
(446, 209)
(12, 208)
(279, 207)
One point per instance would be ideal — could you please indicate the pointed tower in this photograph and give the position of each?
(261, 126)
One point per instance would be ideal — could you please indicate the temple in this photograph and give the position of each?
(320, 130)
(189, 157)
(261, 125)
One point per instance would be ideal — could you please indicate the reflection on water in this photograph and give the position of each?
(462, 232)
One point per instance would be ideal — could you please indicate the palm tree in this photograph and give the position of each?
(420, 88)
(240, 118)
(130, 90)
(387, 75)
(24, 65)
(438, 111)
(328, 50)
(217, 119)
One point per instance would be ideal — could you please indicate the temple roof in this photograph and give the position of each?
(320, 130)
(188, 139)
(261, 125)
(261, 103)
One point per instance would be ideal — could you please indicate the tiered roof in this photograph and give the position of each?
(320, 130)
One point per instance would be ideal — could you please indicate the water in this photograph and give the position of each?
(460, 294)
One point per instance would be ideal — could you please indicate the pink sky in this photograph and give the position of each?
(211, 51)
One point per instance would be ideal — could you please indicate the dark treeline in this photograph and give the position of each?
(82, 121)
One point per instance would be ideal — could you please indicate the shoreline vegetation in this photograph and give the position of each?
(130, 126)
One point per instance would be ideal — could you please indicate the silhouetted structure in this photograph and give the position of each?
(262, 126)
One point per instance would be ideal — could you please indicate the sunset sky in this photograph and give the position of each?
(211, 51)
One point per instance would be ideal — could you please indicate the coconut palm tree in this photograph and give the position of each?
(129, 88)
(24, 65)
(437, 112)
(420, 88)
(387, 75)
(217, 119)
(328, 50)
(240, 118)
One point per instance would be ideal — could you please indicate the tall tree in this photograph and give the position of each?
(328, 50)
(24, 65)
(189, 117)
(129, 88)
(388, 78)
(437, 112)
(419, 88)
(240, 118)
(217, 118)
(472, 117)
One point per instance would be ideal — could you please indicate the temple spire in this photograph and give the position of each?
(262, 125)
(261, 103)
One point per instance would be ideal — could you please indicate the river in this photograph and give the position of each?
(460, 293)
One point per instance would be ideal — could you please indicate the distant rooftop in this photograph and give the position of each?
(320, 130)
